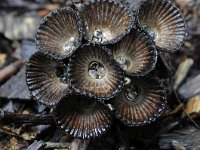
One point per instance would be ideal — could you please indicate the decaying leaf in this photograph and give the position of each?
(193, 106)
(2, 58)
(182, 71)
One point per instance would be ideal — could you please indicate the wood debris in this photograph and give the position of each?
(15, 87)
(190, 88)
(182, 140)
(182, 71)
(9, 70)
(193, 106)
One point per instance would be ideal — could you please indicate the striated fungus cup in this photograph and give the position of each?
(94, 72)
(46, 79)
(135, 53)
(164, 22)
(141, 101)
(106, 21)
(82, 117)
(60, 33)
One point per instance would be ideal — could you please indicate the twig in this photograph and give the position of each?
(75, 145)
(9, 117)
(53, 145)
(194, 123)
(16, 132)
(37, 145)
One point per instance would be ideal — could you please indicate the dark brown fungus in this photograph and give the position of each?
(94, 72)
(60, 33)
(135, 53)
(164, 22)
(82, 117)
(140, 102)
(106, 21)
(46, 79)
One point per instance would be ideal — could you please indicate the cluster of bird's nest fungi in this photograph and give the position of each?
(94, 63)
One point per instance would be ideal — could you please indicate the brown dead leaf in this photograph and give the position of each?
(14, 144)
(193, 106)
(2, 58)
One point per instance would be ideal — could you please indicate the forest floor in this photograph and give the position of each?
(26, 125)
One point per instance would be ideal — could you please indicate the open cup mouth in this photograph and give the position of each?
(141, 102)
(60, 33)
(47, 79)
(135, 53)
(164, 22)
(82, 117)
(93, 72)
(106, 21)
